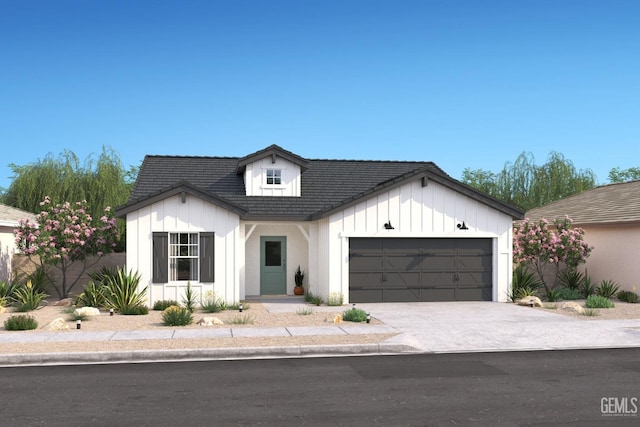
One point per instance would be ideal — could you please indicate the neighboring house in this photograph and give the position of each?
(610, 216)
(371, 230)
(9, 220)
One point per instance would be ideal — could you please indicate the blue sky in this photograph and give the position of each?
(460, 83)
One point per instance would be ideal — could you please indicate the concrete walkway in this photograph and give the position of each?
(443, 327)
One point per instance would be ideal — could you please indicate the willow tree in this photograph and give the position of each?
(624, 175)
(101, 181)
(527, 185)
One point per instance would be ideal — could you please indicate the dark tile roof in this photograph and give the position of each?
(325, 184)
(607, 204)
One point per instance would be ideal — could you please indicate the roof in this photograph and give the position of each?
(326, 185)
(9, 216)
(607, 204)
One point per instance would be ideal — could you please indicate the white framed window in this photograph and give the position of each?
(274, 177)
(183, 256)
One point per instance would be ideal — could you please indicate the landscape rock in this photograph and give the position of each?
(67, 302)
(57, 324)
(573, 307)
(210, 321)
(336, 319)
(2, 309)
(86, 311)
(529, 300)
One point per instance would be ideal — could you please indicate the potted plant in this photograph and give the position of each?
(299, 279)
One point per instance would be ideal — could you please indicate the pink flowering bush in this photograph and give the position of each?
(539, 245)
(64, 234)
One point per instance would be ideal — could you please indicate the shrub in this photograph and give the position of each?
(190, 297)
(135, 310)
(524, 284)
(571, 279)
(177, 316)
(553, 295)
(628, 296)
(241, 319)
(21, 322)
(212, 304)
(304, 311)
(335, 299)
(587, 288)
(597, 301)
(354, 315)
(313, 299)
(569, 294)
(607, 288)
(28, 297)
(162, 305)
(93, 295)
(7, 289)
(590, 312)
(121, 292)
(78, 316)
(236, 306)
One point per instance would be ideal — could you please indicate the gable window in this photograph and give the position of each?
(183, 257)
(274, 177)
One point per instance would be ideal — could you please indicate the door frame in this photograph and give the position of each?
(278, 273)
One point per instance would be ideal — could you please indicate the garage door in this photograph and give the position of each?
(404, 270)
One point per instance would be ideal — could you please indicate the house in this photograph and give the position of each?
(610, 217)
(374, 231)
(9, 220)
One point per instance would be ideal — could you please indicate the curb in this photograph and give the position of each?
(182, 355)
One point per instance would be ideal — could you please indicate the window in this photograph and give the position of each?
(183, 257)
(274, 177)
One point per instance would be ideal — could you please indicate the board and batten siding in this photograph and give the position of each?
(414, 211)
(255, 181)
(194, 215)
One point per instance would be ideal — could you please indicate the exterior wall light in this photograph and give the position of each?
(462, 226)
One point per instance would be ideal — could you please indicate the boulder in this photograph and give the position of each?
(572, 307)
(528, 301)
(58, 324)
(335, 319)
(86, 311)
(67, 302)
(210, 321)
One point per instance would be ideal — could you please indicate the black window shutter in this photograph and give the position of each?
(207, 256)
(160, 258)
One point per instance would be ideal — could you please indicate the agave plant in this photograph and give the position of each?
(121, 290)
(524, 284)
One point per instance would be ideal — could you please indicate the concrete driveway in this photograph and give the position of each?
(494, 326)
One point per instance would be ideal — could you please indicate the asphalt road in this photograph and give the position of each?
(575, 388)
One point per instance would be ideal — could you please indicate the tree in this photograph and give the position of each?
(527, 185)
(65, 234)
(101, 182)
(538, 246)
(624, 175)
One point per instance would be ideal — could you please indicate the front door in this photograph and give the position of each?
(273, 265)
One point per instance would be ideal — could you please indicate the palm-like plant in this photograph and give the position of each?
(121, 292)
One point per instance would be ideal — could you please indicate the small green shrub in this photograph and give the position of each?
(190, 298)
(28, 297)
(335, 299)
(569, 294)
(590, 312)
(571, 279)
(354, 315)
(313, 299)
(78, 316)
(304, 311)
(212, 304)
(162, 305)
(241, 319)
(91, 296)
(553, 295)
(20, 322)
(236, 306)
(628, 296)
(607, 288)
(524, 284)
(135, 310)
(597, 301)
(177, 316)
(587, 288)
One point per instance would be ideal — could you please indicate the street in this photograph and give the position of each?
(571, 387)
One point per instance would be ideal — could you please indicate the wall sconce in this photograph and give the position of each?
(462, 226)
(388, 226)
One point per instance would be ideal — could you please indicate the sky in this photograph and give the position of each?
(465, 84)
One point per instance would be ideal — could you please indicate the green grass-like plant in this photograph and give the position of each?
(28, 297)
(135, 310)
(588, 288)
(190, 299)
(212, 304)
(20, 322)
(553, 295)
(628, 296)
(304, 311)
(162, 305)
(569, 294)
(597, 301)
(236, 306)
(607, 288)
(122, 291)
(590, 312)
(313, 299)
(7, 289)
(93, 295)
(354, 315)
(241, 319)
(177, 316)
(335, 299)
(571, 279)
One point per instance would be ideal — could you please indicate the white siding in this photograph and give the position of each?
(195, 215)
(414, 211)
(7, 250)
(255, 178)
